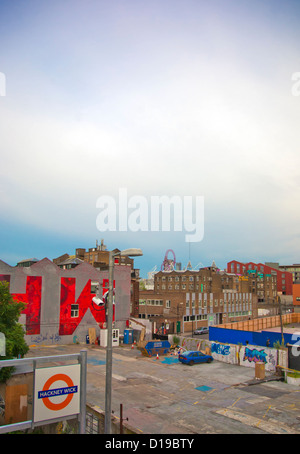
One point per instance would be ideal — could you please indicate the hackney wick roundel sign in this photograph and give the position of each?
(57, 392)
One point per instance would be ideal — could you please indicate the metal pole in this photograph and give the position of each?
(121, 418)
(281, 326)
(108, 382)
(83, 367)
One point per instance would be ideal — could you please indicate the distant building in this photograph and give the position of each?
(27, 262)
(296, 297)
(294, 270)
(98, 257)
(284, 279)
(187, 299)
(69, 263)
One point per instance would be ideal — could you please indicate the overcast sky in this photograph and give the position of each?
(185, 98)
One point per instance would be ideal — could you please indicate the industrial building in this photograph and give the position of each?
(59, 302)
(185, 299)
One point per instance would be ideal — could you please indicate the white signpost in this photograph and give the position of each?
(56, 392)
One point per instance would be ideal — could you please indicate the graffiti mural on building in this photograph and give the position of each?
(255, 355)
(71, 310)
(32, 298)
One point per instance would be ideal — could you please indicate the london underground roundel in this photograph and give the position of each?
(57, 392)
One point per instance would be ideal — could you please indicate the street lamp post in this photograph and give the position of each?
(108, 381)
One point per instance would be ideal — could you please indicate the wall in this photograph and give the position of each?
(227, 353)
(296, 295)
(49, 292)
(189, 343)
(246, 356)
(251, 354)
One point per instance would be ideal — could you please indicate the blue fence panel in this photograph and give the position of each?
(274, 337)
(230, 336)
(235, 336)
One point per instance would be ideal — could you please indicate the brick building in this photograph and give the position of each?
(264, 285)
(294, 270)
(189, 299)
(296, 297)
(284, 279)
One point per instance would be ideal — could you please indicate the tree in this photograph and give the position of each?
(10, 311)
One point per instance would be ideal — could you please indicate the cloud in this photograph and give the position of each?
(193, 102)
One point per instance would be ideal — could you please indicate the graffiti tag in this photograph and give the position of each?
(55, 338)
(220, 349)
(255, 355)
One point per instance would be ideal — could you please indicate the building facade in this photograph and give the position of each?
(59, 302)
(294, 270)
(189, 299)
(98, 257)
(284, 279)
(296, 297)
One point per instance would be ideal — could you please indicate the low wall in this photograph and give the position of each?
(246, 356)
(190, 343)
(252, 354)
(227, 353)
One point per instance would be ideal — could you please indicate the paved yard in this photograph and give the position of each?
(166, 397)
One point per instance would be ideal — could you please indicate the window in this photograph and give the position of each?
(168, 304)
(74, 310)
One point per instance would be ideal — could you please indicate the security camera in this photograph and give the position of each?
(98, 301)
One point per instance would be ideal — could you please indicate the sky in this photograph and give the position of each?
(192, 99)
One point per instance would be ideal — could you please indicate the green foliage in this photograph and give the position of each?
(176, 340)
(10, 311)
(278, 345)
(294, 374)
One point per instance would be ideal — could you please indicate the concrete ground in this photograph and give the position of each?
(163, 396)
